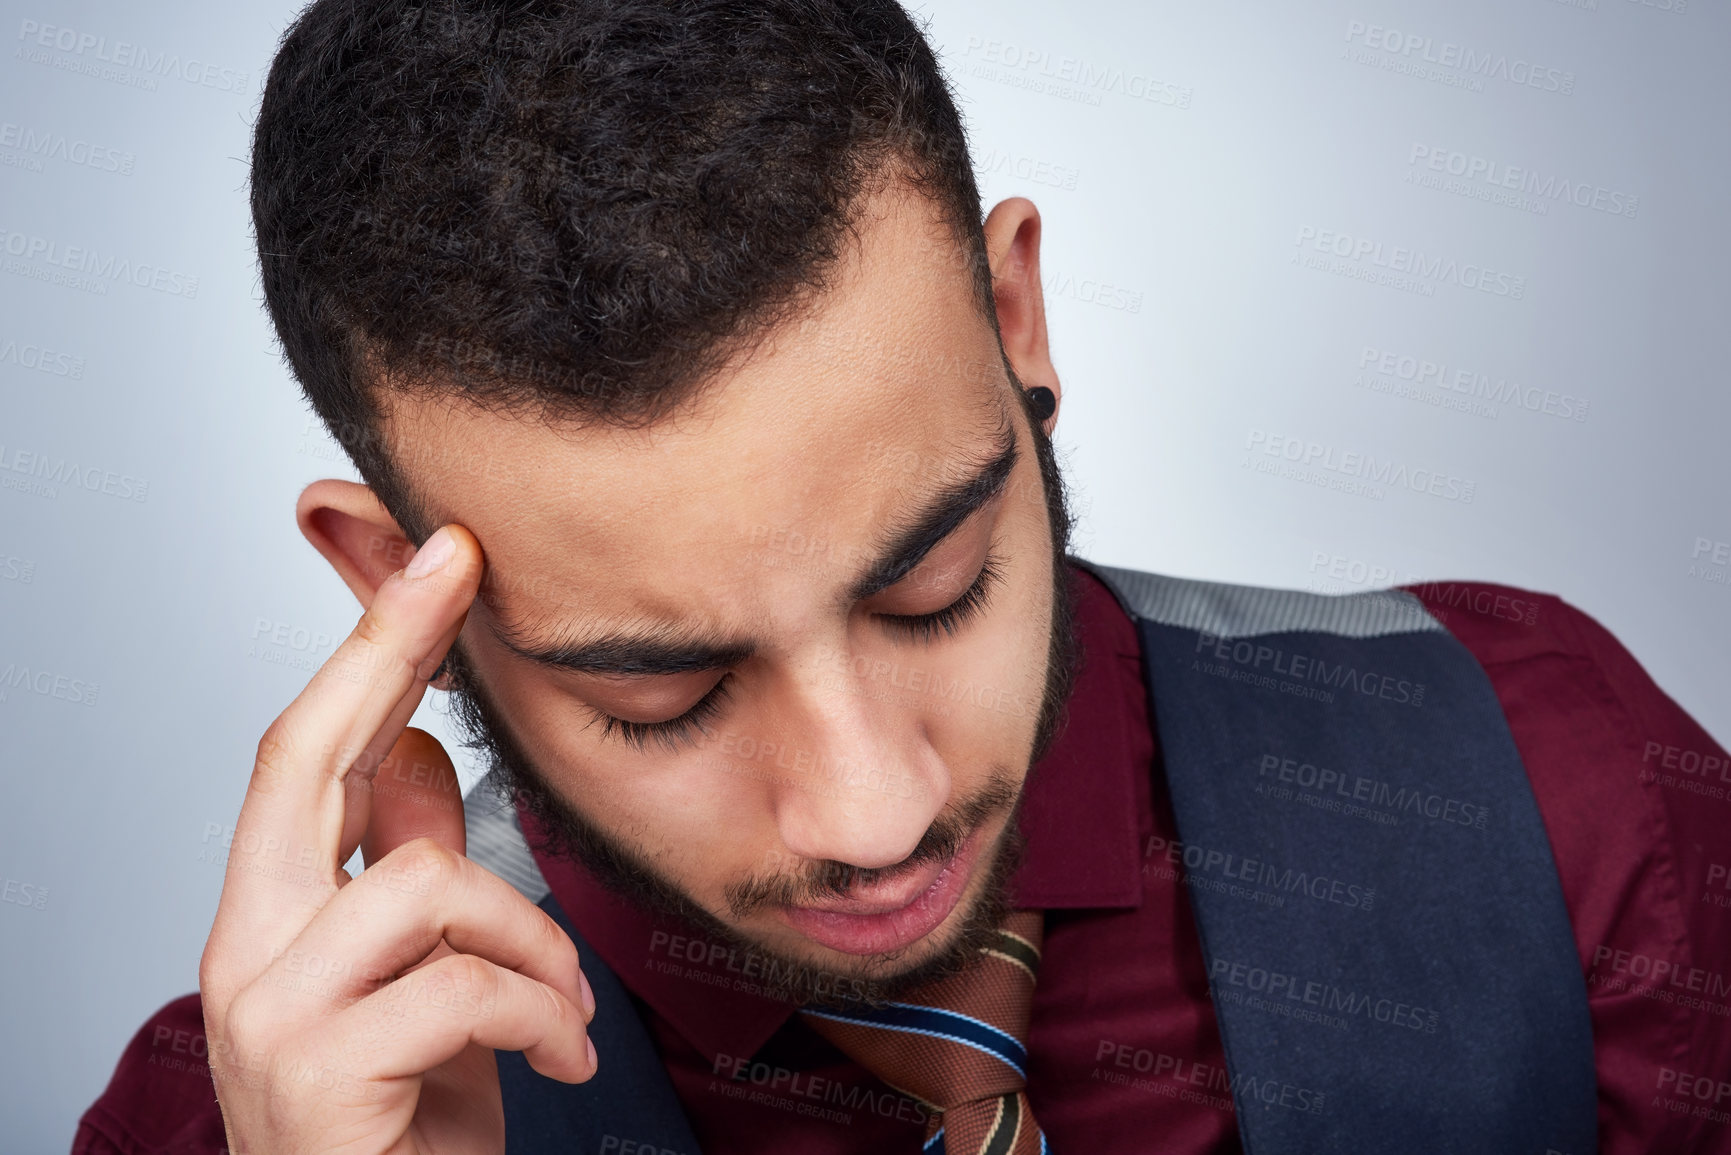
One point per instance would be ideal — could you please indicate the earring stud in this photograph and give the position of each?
(1043, 402)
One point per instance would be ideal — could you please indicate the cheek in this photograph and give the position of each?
(996, 698)
(994, 676)
(691, 817)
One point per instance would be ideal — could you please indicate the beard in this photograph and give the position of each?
(569, 834)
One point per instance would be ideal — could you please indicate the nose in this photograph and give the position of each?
(865, 782)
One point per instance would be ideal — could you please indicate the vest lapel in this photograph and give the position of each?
(630, 1104)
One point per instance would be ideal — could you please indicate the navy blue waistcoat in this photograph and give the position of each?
(1389, 956)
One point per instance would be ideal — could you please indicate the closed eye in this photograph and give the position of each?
(950, 619)
(671, 733)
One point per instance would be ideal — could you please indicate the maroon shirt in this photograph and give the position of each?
(1124, 1052)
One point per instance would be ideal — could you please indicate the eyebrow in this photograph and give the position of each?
(943, 514)
(661, 650)
(654, 651)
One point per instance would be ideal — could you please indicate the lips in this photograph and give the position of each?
(891, 913)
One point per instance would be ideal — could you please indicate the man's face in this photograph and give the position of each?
(781, 658)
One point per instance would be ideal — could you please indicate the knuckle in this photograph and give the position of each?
(558, 1009)
(420, 866)
(427, 855)
(371, 629)
(459, 984)
(380, 658)
(559, 945)
(473, 972)
(276, 751)
(213, 984)
(247, 1023)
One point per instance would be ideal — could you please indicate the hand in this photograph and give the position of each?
(360, 1015)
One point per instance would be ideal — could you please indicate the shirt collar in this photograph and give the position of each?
(1079, 813)
(1081, 808)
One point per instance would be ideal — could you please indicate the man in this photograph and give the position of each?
(706, 433)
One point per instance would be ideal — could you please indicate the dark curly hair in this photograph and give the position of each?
(575, 208)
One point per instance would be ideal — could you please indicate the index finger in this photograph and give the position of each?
(282, 866)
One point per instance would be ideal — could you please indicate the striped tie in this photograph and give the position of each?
(959, 1046)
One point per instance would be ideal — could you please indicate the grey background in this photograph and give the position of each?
(1186, 158)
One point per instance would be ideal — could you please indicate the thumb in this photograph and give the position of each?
(414, 795)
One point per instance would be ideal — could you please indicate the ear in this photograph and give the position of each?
(1013, 250)
(351, 528)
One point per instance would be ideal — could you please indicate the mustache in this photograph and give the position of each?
(827, 878)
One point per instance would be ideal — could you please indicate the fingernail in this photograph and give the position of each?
(594, 1060)
(432, 555)
(588, 994)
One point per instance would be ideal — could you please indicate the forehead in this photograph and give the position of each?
(779, 477)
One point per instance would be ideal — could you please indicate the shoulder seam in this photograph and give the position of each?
(1237, 611)
(493, 838)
